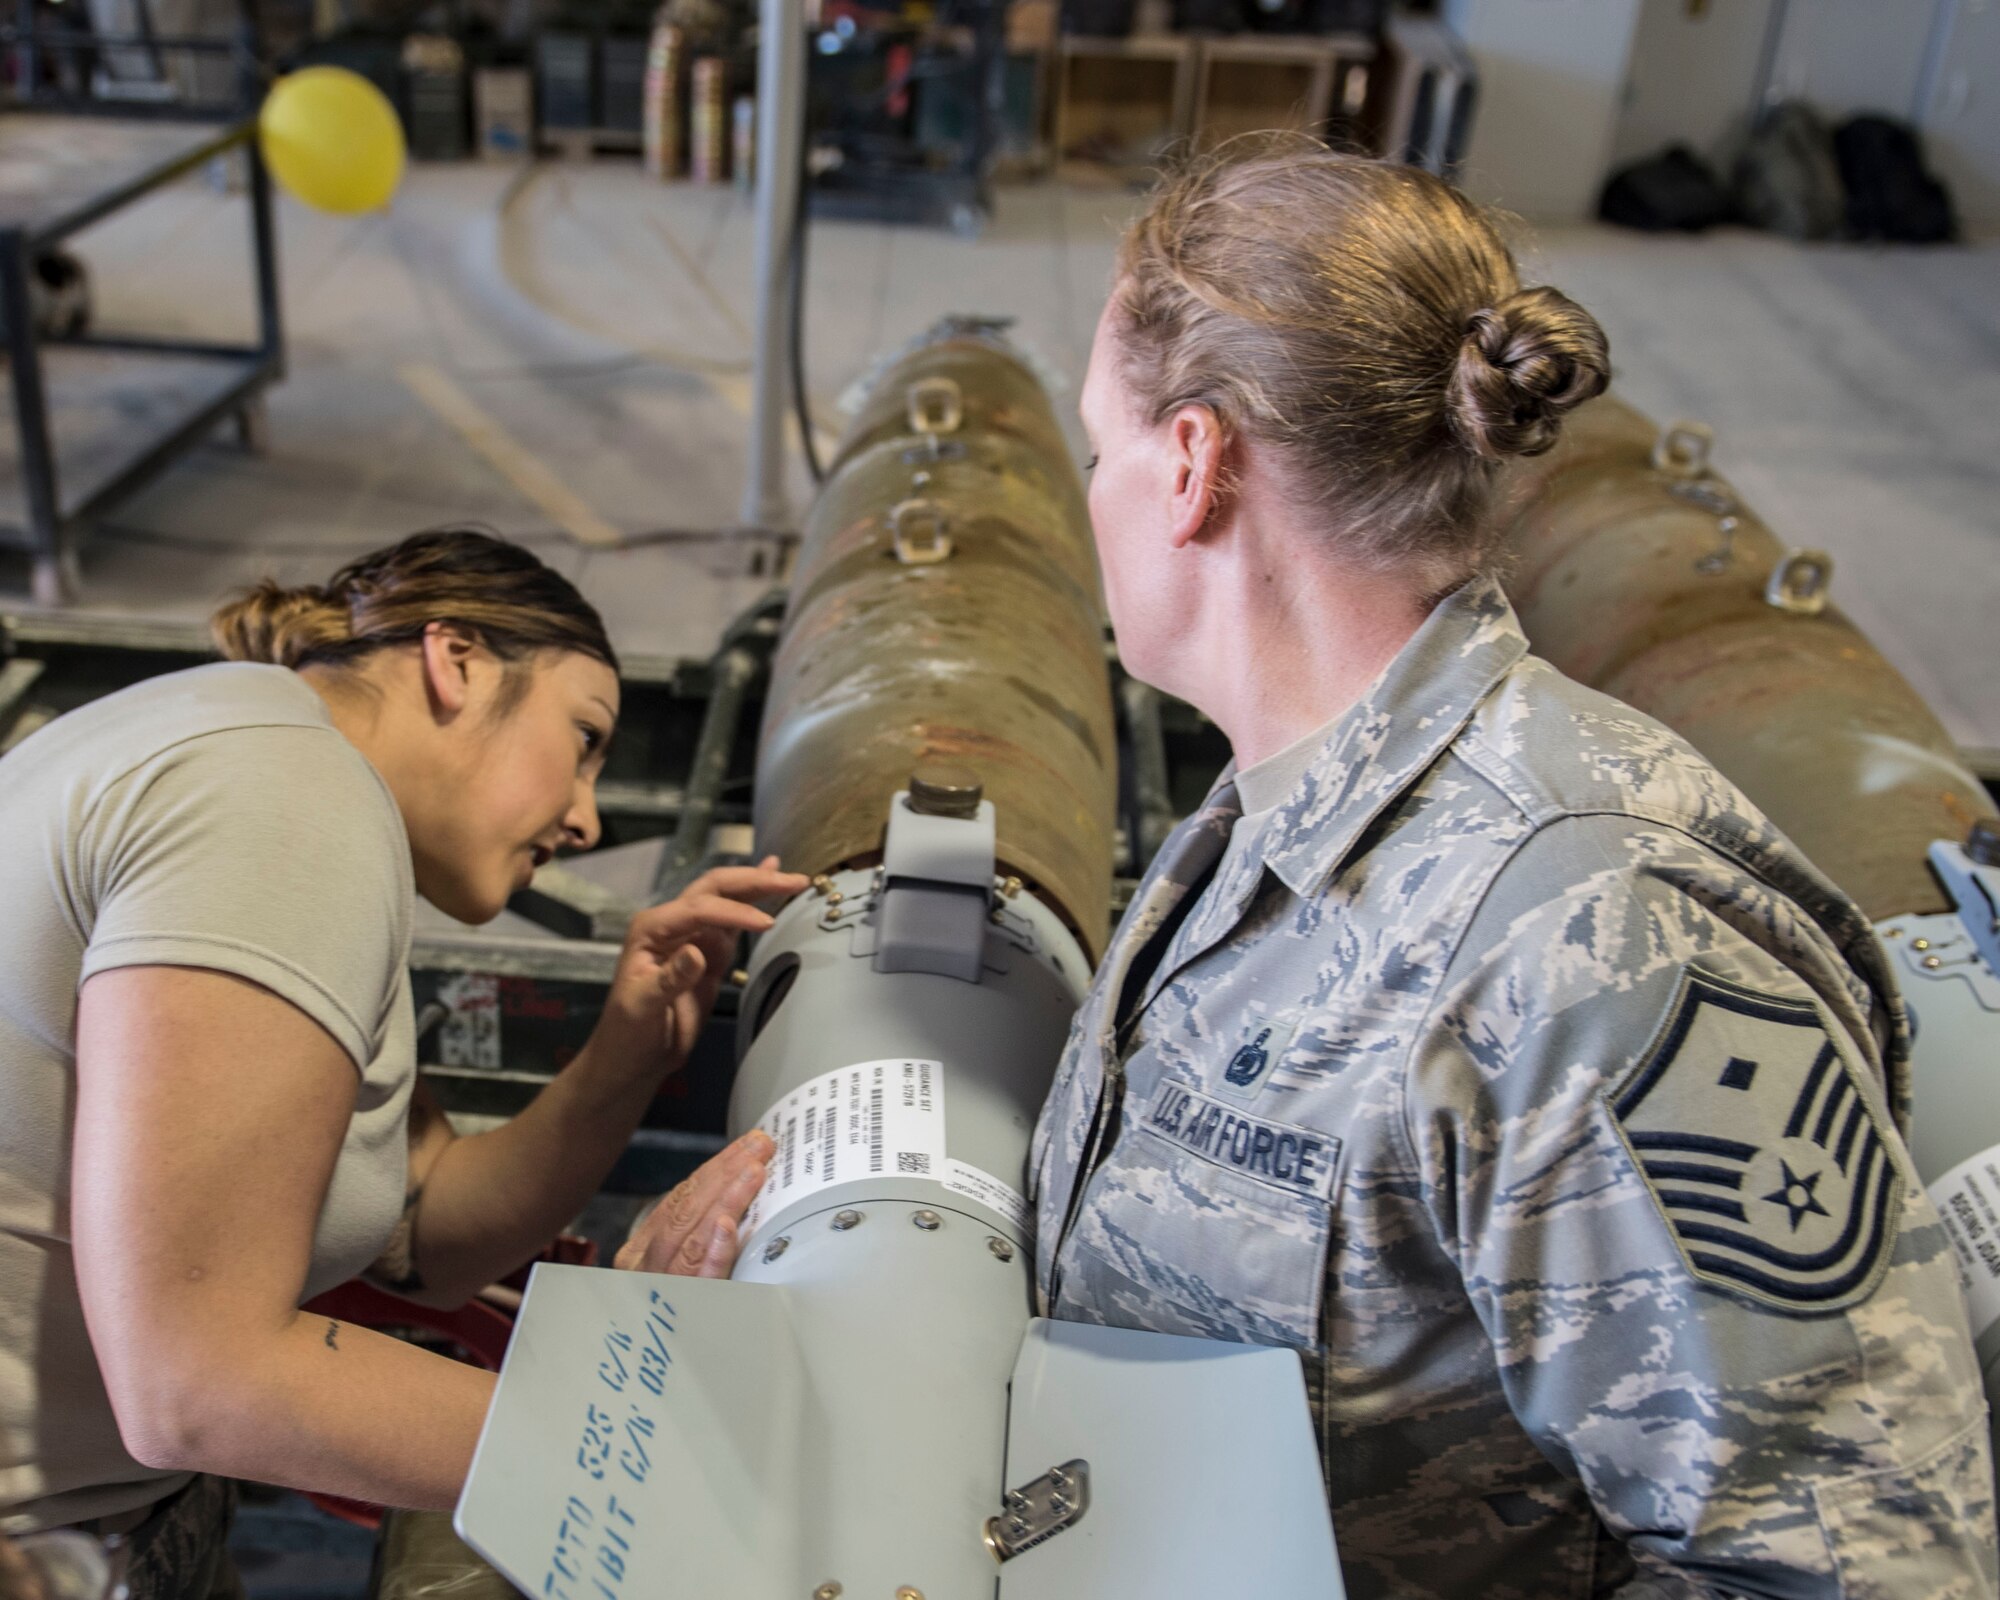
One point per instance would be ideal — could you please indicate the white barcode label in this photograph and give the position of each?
(1968, 1198)
(878, 1119)
(989, 1191)
(470, 1033)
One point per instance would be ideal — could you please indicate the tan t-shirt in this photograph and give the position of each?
(212, 818)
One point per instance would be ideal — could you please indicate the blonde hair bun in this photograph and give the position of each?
(1365, 323)
(1525, 363)
(281, 626)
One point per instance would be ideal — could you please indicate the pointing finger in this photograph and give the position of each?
(749, 883)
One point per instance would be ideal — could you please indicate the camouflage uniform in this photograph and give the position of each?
(1527, 1081)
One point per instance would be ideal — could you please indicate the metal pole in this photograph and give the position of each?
(264, 252)
(27, 61)
(735, 670)
(1924, 100)
(1768, 92)
(54, 567)
(781, 110)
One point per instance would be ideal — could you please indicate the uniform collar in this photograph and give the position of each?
(1373, 753)
(1420, 703)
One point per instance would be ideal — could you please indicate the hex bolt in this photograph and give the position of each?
(777, 1247)
(1016, 1501)
(1920, 944)
(1010, 888)
(843, 1220)
(827, 1591)
(1058, 1504)
(929, 1221)
(1000, 1248)
(1017, 1526)
(822, 884)
(1058, 1480)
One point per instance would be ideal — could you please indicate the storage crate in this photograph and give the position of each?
(1426, 100)
(1250, 83)
(1123, 102)
(503, 101)
(566, 81)
(1023, 146)
(376, 57)
(621, 82)
(437, 115)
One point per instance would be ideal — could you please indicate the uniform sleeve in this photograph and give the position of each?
(1716, 1293)
(271, 853)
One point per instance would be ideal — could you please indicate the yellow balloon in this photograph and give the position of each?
(332, 138)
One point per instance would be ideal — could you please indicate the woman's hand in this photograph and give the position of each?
(491, 1200)
(695, 1231)
(677, 954)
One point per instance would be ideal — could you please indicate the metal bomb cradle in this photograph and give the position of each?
(868, 1409)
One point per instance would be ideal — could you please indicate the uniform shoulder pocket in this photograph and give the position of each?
(1922, 1529)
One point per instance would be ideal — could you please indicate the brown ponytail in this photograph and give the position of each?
(498, 591)
(1362, 320)
(282, 626)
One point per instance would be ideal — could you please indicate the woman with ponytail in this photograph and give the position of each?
(209, 1110)
(1475, 1038)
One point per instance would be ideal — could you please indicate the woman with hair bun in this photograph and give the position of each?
(1475, 1038)
(209, 1110)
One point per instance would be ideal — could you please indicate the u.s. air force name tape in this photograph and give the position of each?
(876, 1119)
(1277, 1153)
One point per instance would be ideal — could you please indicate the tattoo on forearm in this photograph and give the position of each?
(396, 1270)
(332, 1343)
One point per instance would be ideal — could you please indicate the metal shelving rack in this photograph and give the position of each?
(97, 415)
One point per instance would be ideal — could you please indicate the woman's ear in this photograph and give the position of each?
(446, 655)
(1195, 446)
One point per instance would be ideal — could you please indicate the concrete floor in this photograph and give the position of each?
(599, 322)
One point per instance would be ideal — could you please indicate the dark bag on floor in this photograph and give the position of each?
(1889, 193)
(1787, 179)
(1669, 192)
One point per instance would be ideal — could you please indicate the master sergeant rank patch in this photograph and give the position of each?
(1763, 1156)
